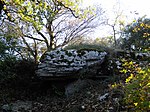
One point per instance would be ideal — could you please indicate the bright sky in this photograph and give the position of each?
(140, 6)
(131, 8)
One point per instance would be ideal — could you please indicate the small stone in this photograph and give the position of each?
(88, 92)
(83, 107)
(103, 97)
(111, 108)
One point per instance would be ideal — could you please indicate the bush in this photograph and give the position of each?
(25, 69)
(137, 90)
(137, 35)
(25, 73)
(136, 86)
(16, 72)
(7, 68)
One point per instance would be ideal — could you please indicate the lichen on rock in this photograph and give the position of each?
(65, 63)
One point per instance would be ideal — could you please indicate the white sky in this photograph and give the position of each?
(129, 8)
(141, 6)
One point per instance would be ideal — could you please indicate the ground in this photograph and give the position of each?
(97, 96)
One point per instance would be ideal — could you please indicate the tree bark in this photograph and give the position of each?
(52, 37)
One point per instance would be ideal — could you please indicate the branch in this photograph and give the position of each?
(59, 23)
(29, 48)
(61, 4)
(31, 37)
(45, 39)
(82, 29)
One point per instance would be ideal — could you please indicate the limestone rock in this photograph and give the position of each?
(66, 63)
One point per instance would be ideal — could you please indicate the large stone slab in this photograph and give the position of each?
(70, 63)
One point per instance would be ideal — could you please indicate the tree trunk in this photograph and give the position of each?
(52, 37)
(52, 40)
(114, 35)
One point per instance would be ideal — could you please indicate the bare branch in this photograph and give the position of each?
(45, 39)
(72, 11)
(29, 48)
(31, 37)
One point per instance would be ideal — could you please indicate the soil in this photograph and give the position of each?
(97, 96)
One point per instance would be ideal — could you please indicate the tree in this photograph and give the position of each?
(4, 13)
(7, 43)
(104, 41)
(137, 35)
(117, 23)
(10, 43)
(52, 22)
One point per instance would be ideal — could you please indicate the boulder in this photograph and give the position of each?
(18, 106)
(70, 63)
(77, 86)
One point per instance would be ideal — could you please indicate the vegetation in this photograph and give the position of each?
(137, 35)
(7, 70)
(28, 28)
(137, 87)
(86, 47)
(50, 24)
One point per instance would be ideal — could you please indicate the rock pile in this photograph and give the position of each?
(66, 63)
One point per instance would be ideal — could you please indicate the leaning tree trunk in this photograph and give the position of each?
(52, 37)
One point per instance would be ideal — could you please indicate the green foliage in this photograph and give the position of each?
(50, 24)
(136, 86)
(137, 35)
(34, 11)
(9, 42)
(85, 47)
(7, 57)
(137, 90)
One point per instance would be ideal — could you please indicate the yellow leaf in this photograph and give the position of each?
(131, 63)
(140, 84)
(127, 80)
(8, 14)
(4, 7)
(135, 104)
(131, 76)
(134, 20)
(142, 24)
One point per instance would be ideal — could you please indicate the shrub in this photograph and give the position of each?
(7, 70)
(16, 73)
(136, 86)
(25, 68)
(25, 72)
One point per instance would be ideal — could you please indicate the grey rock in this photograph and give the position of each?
(76, 87)
(6, 108)
(65, 63)
(17, 106)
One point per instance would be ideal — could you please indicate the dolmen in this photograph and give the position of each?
(66, 64)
